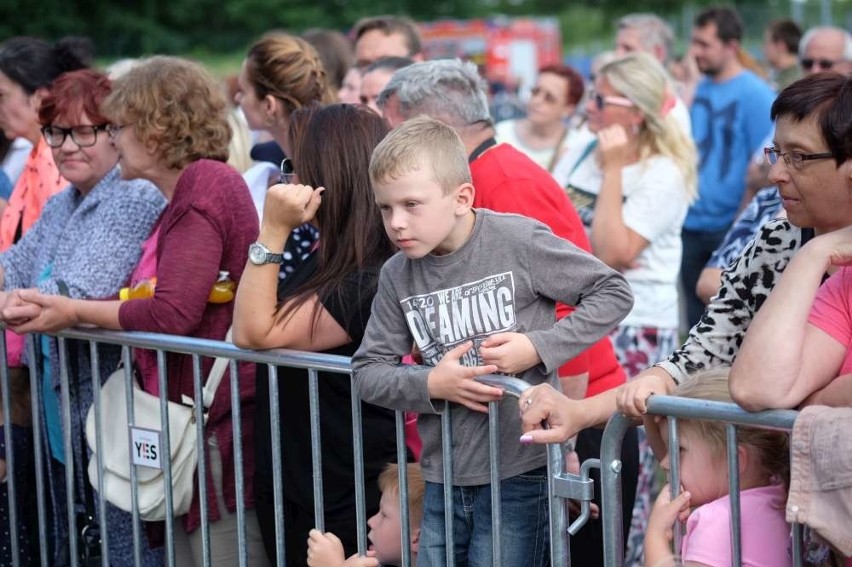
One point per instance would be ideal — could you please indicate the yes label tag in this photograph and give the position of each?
(146, 448)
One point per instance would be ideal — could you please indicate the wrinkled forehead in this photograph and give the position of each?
(825, 45)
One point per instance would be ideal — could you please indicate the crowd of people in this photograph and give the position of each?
(364, 203)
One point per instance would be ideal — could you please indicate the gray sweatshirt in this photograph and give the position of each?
(506, 278)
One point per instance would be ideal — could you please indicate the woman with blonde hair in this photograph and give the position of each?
(632, 185)
(281, 74)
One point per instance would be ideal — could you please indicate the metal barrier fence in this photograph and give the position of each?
(682, 408)
(560, 484)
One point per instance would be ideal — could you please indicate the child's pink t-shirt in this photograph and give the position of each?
(765, 533)
(832, 312)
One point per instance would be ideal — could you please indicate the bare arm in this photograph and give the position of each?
(51, 313)
(612, 241)
(257, 324)
(708, 284)
(838, 393)
(783, 358)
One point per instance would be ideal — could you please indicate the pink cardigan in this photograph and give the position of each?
(207, 227)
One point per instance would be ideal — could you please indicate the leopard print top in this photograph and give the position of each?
(716, 339)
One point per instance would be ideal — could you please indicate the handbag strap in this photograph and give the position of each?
(217, 372)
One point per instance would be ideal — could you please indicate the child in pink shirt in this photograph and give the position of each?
(763, 476)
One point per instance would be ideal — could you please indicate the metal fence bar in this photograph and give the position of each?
(165, 442)
(494, 459)
(611, 494)
(65, 402)
(734, 495)
(239, 476)
(447, 455)
(10, 453)
(277, 467)
(134, 477)
(200, 446)
(94, 358)
(358, 453)
(559, 540)
(674, 477)
(404, 509)
(38, 454)
(316, 456)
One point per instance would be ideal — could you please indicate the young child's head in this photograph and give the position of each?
(763, 454)
(386, 526)
(422, 185)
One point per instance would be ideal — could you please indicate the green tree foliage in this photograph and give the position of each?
(136, 27)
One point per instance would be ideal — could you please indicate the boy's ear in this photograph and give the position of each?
(415, 539)
(464, 196)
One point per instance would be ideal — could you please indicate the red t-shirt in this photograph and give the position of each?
(508, 181)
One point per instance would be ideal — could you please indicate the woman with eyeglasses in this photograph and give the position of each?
(543, 133)
(168, 123)
(632, 185)
(84, 245)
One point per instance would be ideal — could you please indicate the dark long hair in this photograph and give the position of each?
(331, 148)
(34, 63)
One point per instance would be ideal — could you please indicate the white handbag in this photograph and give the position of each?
(183, 436)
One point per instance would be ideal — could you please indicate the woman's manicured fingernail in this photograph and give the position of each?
(526, 439)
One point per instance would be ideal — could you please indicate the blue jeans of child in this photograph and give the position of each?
(524, 536)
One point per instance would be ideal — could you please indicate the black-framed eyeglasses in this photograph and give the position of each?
(601, 101)
(793, 159)
(84, 136)
(824, 64)
(113, 130)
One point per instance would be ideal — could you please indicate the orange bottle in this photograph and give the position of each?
(223, 290)
(142, 290)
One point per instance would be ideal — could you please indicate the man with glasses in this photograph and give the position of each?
(730, 120)
(826, 48)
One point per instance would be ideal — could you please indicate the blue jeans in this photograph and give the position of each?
(524, 536)
(698, 246)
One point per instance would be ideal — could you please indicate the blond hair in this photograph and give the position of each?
(770, 448)
(643, 80)
(290, 69)
(174, 105)
(419, 143)
(389, 482)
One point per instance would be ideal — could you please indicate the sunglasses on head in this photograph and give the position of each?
(824, 64)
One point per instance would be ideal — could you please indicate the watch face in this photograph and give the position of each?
(257, 254)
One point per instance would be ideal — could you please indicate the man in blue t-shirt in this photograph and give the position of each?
(730, 119)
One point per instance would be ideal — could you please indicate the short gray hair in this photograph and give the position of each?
(652, 29)
(447, 89)
(809, 35)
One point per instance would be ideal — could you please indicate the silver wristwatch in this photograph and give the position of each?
(260, 255)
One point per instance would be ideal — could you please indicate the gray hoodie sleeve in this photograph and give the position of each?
(562, 272)
(379, 377)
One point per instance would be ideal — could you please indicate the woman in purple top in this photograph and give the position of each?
(169, 124)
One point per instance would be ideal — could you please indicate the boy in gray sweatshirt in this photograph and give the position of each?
(475, 292)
